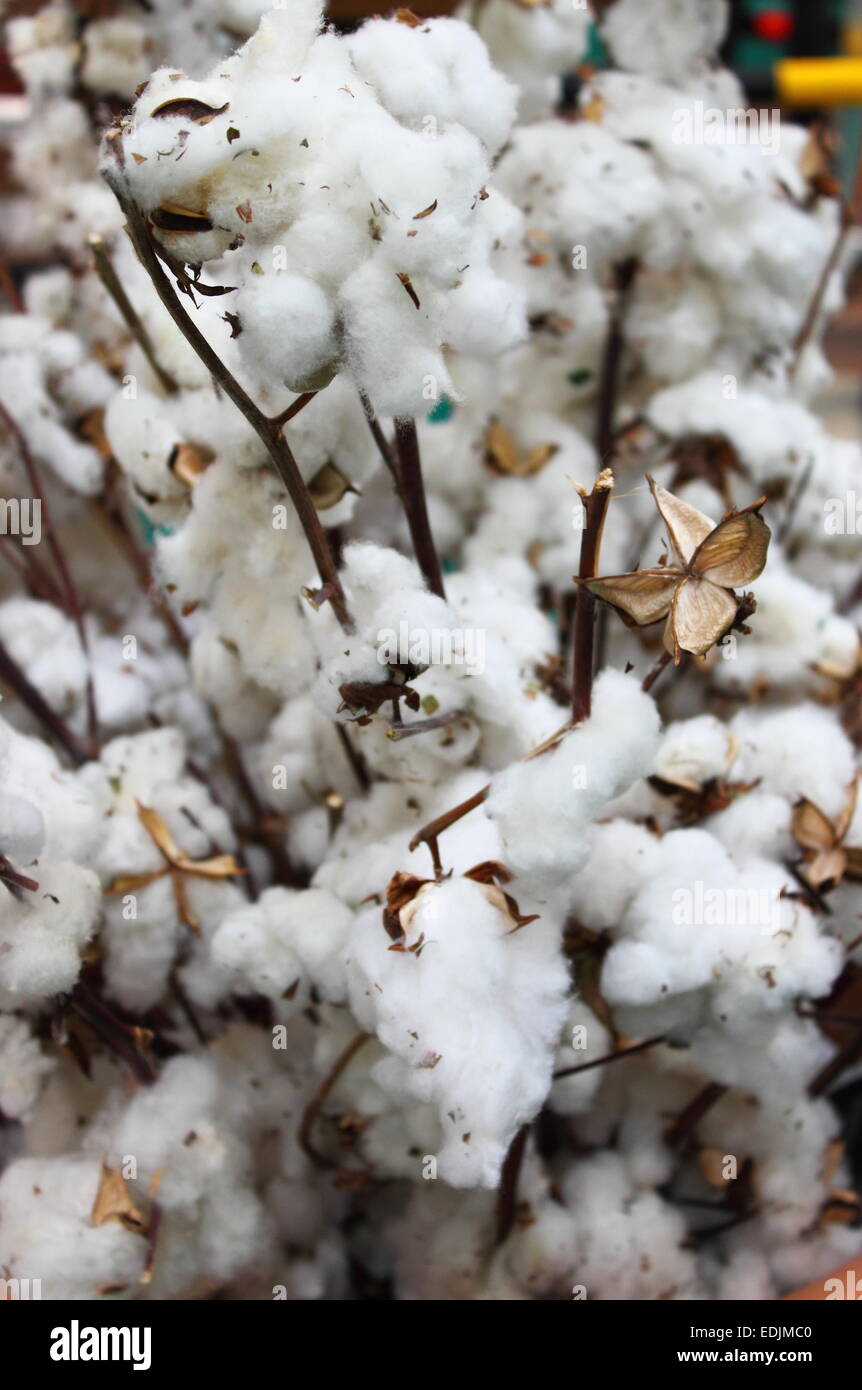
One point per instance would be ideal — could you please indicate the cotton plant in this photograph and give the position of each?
(437, 676)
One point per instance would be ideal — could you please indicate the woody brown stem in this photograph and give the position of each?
(691, 1116)
(595, 506)
(661, 665)
(412, 490)
(317, 1101)
(293, 409)
(268, 432)
(12, 675)
(507, 1197)
(72, 602)
(132, 319)
(610, 1057)
(624, 275)
(815, 308)
(429, 833)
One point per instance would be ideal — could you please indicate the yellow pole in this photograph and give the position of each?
(819, 81)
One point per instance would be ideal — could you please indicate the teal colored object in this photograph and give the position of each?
(150, 531)
(443, 411)
(596, 54)
(580, 377)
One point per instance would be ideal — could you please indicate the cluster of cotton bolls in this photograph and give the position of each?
(318, 926)
(77, 66)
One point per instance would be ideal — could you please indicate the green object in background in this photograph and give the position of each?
(596, 54)
(442, 411)
(149, 530)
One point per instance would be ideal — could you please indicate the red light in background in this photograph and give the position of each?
(776, 26)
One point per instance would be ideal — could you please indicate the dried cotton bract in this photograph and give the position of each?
(696, 593)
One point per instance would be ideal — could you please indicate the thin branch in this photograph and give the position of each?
(412, 490)
(112, 283)
(318, 1100)
(624, 275)
(815, 308)
(429, 833)
(610, 1057)
(111, 518)
(507, 1197)
(386, 451)
(12, 675)
(691, 1116)
(293, 409)
(269, 433)
(425, 726)
(72, 600)
(595, 506)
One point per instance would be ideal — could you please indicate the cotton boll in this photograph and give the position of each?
(284, 940)
(664, 38)
(770, 435)
(797, 752)
(796, 633)
(46, 1231)
(434, 73)
(143, 437)
(23, 1068)
(484, 314)
(44, 933)
(756, 824)
(543, 806)
(288, 329)
(115, 56)
(694, 752)
(548, 169)
(392, 348)
(675, 332)
(533, 46)
(622, 857)
(489, 1075)
(45, 643)
(584, 1039)
(22, 829)
(42, 49)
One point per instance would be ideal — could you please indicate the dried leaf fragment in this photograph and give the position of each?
(114, 1203)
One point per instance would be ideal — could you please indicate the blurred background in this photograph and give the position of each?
(767, 38)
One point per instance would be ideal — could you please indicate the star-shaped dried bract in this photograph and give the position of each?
(696, 593)
(823, 841)
(177, 863)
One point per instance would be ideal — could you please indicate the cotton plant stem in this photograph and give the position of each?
(268, 431)
(72, 600)
(383, 445)
(507, 1196)
(9, 289)
(688, 1120)
(595, 506)
(12, 675)
(114, 286)
(416, 505)
(318, 1100)
(610, 1057)
(30, 572)
(661, 665)
(815, 308)
(430, 832)
(293, 409)
(110, 517)
(612, 362)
